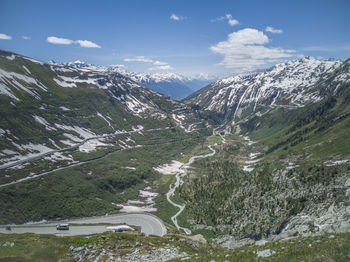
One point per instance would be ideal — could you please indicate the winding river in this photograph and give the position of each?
(179, 182)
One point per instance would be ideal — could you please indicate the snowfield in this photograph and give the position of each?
(170, 169)
(335, 162)
(145, 202)
(34, 150)
(42, 121)
(17, 81)
(91, 145)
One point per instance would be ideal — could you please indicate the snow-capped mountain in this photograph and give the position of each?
(57, 106)
(291, 84)
(175, 86)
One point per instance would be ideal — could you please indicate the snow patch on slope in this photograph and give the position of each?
(42, 121)
(289, 83)
(100, 115)
(12, 79)
(91, 145)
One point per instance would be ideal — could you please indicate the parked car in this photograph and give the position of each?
(62, 227)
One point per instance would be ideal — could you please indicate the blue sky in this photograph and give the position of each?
(188, 37)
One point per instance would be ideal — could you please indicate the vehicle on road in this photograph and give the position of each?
(62, 227)
(120, 228)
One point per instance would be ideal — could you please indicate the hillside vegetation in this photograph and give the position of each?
(293, 180)
(135, 247)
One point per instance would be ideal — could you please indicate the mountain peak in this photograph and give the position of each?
(79, 64)
(289, 84)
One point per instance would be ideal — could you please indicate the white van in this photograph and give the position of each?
(62, 227)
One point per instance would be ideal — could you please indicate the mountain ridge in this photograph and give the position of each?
(58, 106)
(174, 85)
(290, 84)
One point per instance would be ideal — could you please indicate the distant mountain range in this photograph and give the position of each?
(176, 86)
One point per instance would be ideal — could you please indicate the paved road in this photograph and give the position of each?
(149, 224)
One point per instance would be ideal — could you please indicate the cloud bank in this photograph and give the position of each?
(162, 67)
(158, 65)
(245, 49)
(139, 59)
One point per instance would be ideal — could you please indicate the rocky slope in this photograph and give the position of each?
(292, 84)
(293, 180)
(51, 107)
(110, 247)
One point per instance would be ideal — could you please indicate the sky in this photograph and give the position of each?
(188, 37)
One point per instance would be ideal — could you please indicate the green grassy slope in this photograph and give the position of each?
(88, 189)
(30, 247)
(295, 174)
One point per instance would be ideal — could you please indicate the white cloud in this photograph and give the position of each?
(64, 41)
(118, 65)
(59, 41)
(245, 49)
(174, 17)
(26, 37)
(5, 37)
(273, 30)
(159, 63)
(145, 60)
(177, 18)
(87, 44)
(228, 17)
(231, 22)
(139, 59)
(161, 67)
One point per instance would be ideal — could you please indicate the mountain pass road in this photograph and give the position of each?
(149, 224)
